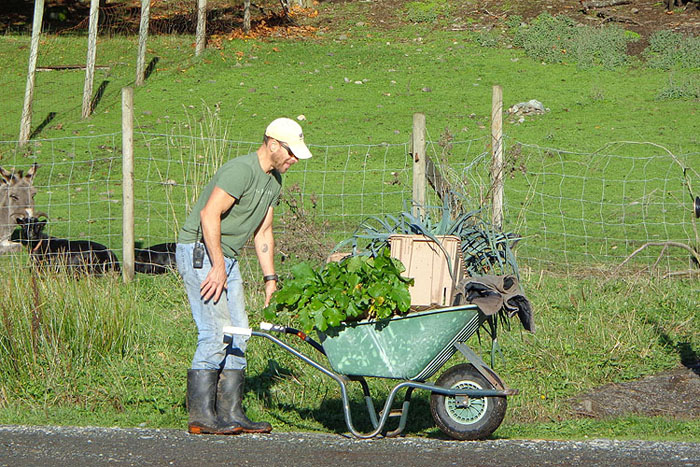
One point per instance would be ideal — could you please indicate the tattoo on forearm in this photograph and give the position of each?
(264, 248)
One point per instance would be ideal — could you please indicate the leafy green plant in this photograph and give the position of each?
(513, 22)
(357, 288)
(546, 38)
(668, 49)
(605, 46)
(488, 38)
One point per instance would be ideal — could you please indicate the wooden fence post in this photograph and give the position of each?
(246, 16)
(143, 35)
(25, 126)
(128, 184)
(419, 163)
(201, 42)
(90, 63)
(497, 161)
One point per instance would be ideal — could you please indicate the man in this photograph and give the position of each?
(235, 205)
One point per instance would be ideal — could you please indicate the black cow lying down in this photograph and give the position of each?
(83, 256)
(156, 259)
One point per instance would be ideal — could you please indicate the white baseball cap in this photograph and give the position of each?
(286, 130)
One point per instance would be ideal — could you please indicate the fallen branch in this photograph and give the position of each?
(617, 18)
(665, 246)
(689, 273)
(69, 67)
(602, 4)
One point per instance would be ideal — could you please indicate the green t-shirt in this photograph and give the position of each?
(255, 191)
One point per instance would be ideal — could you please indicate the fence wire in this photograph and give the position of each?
(572, 210)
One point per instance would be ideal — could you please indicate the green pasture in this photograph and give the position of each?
(445, 75)
(99, 352)
(193, 109)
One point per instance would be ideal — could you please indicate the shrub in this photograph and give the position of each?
(513, 22)
(547, 38)
(606, 47)
(555, 39)
(668, 49)
(488, 38)
(687, 87)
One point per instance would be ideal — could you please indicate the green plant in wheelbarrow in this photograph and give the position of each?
(360, 287)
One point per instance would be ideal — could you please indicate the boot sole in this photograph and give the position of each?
(256, 431)
(198, 430)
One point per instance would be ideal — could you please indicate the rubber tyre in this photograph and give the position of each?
(476, 421)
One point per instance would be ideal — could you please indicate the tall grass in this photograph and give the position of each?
(80, 342)
(54, 324)
(594, 331)
(201, 154)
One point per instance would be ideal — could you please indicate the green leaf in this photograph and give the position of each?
(333, 316)
(289, 294)
(355, 264)
(319, 322)
(270, 312)
(402, 297)
(378, 290)
(303, 271)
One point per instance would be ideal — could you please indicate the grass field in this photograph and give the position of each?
(98, 352)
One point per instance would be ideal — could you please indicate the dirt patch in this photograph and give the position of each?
(674, 393)
(643, 17)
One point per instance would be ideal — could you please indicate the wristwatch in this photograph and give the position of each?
(270, 277)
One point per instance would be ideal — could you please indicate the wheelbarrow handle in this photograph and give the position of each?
(237, 331)
(247, 332)
(287, 330)
(272, 327)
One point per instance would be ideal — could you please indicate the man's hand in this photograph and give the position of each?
(214, 284)
(270, 287)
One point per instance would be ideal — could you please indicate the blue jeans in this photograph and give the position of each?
(212, 353)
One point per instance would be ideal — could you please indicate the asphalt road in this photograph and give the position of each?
(76, 447)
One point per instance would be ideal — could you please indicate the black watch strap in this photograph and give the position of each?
(271, 277)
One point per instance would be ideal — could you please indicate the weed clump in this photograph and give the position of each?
(558, 39)
(685, 87)
(426, 12)
(668, 49)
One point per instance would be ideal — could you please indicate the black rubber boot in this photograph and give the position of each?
(201, 399)
(229, 403)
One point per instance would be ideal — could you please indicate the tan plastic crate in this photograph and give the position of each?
(427, 265)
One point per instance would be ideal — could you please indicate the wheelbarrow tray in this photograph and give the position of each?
(410, 347)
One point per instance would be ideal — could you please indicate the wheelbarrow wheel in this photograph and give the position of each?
(466, 418)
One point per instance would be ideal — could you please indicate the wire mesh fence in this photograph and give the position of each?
(573, 211)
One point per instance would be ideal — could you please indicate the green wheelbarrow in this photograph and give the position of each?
(468, 401)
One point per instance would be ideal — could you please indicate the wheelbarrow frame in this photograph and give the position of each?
(379, 419)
